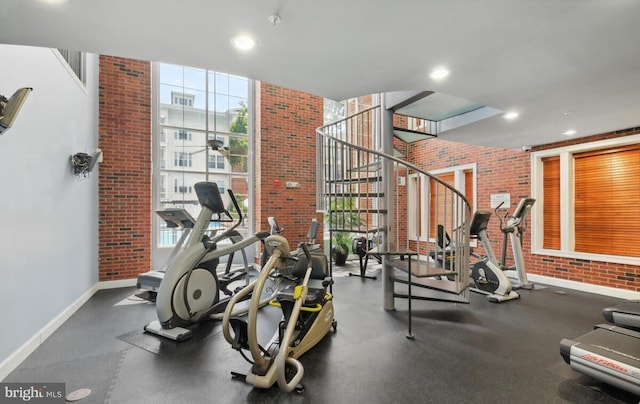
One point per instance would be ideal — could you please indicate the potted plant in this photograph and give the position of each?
(340, 250)
(343, 220)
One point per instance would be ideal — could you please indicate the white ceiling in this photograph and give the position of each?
(541, 58)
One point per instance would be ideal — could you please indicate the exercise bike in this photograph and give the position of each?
(487, 276)
(312, 234)
(308, 314)
(276, 230)
(190, 289)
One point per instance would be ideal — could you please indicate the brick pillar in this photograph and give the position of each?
(286, 121)
(125, 174)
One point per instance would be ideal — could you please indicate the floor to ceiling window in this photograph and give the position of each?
(202, 133)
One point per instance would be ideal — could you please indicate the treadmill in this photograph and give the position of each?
(609, 353)
(625, 314)
(175, 218)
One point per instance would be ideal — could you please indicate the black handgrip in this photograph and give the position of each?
(262, 234)
(235, 205)
(209, 245)
(306, 253)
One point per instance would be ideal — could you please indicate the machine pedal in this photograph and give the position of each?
(226, 279)
(241, 334)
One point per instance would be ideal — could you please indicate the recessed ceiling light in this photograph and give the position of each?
(439, 73)
(569, 132)
(243, 42)
(54, 2)
(511, 115)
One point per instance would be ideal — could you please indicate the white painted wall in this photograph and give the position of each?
(48, 219)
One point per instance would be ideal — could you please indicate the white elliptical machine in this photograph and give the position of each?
(190, 289)
(514, 227)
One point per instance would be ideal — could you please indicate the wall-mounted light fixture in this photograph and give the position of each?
(9, 108)
(83, 163)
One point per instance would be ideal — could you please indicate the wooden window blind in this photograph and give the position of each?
(551, 202)
(440, 207)
(607, 201)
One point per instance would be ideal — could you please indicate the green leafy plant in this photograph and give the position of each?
(341, 217)
(341, 240)
(239, 145)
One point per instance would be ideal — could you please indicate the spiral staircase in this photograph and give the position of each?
(368, 188)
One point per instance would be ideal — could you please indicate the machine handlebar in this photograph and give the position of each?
(514, 221)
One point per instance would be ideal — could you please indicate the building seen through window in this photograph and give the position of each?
(202, 135)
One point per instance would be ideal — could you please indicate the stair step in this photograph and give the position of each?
(410, 136)
(338, 211)
(367, 168)
(420, 268)
(359, 230)
(360, 180)
(435, 295)
(356, 195)
(440, 285)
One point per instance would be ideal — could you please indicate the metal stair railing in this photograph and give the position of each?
(350, 191)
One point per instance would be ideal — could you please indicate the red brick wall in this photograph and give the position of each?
(286, 121)
(285, 151)
(125, 174)
(508, 170)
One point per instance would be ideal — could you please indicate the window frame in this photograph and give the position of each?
(162, 139)
(79, 69)
(425, 192)
(567, 189)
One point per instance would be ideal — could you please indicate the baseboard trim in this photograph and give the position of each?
(585, 287)
(123, 283)
(15, 359)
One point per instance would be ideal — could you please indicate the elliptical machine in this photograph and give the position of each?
(514, 227)
(486, 274)
(190, 289)
(308, 314)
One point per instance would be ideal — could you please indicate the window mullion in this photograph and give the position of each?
(567, 193)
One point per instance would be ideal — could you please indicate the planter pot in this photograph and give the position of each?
(340, 258)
